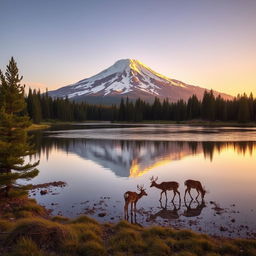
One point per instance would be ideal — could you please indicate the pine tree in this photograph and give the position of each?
(243, 109)
(121, 114)
(208, 106)
(14, 145)
(193, 107)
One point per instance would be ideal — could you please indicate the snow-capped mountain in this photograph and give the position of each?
(129, 78)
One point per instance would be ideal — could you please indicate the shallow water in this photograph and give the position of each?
(101, 162)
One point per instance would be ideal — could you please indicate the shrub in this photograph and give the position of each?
(44, 233)
(127, 240)
(91, 248)
(84, 219)
(60, 219)
(157, 247)
(26, 247)
(160, 232)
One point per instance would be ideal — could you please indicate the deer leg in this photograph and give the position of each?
(165, 195)
(197, 194)
(165, 200)
(185, 194)
(190, 194)
(125, 211)
(161, 196)
(174, 194)
(178, 194)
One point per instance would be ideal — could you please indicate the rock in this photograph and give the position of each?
(43, 192)
(222, 229)
(102, 214)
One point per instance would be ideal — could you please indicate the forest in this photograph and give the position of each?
(41, 107)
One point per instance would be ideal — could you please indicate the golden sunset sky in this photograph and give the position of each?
(211, 44)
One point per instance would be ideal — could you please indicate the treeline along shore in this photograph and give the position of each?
(242, 109)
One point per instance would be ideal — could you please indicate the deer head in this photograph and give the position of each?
(142, 190)
(153, 181)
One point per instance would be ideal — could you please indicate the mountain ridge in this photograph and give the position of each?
(129, 78)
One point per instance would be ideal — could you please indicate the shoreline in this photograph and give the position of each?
(47, 125)
(196, 123)
(58, 233)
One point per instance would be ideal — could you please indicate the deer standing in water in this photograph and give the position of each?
(132, 198)
(196, 185)
(165, 186)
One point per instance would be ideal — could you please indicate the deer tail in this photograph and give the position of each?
(126, 195)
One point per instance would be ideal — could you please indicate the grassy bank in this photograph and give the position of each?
(46, 125)
(84, 236)
(38, 127)
(26, 229)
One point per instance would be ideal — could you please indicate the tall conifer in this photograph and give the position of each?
(14, 145)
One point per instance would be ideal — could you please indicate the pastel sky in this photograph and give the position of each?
(209, 43)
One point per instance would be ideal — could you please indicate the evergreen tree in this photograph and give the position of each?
(14, 144)
(220, 109)
(243, 109)
(208, 106)
(156, 112)
(193, 108)
(122, 111)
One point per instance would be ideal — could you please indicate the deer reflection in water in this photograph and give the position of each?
(132, 198)
(164, 213)
(165, 186)
(196, 211)
(195, 185)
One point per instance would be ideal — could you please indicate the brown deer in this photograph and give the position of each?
(132, 198)
(196, 185)
(165, 186)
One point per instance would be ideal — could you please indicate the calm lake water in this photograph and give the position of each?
(99, 162)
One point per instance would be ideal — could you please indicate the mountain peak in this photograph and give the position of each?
(122, 64)
(129, 78)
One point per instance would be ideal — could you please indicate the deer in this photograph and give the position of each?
(165, 186)
(196, 185)
(132, 198)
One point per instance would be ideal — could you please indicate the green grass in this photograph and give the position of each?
(38, 127)
(21, 207)
(31, 233)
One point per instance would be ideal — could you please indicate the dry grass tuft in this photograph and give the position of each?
(46, 234)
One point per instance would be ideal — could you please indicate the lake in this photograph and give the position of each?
(100, 162)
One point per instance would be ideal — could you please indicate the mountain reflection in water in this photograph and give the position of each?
(134, 158)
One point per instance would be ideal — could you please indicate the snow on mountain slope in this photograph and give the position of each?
(129, 78)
